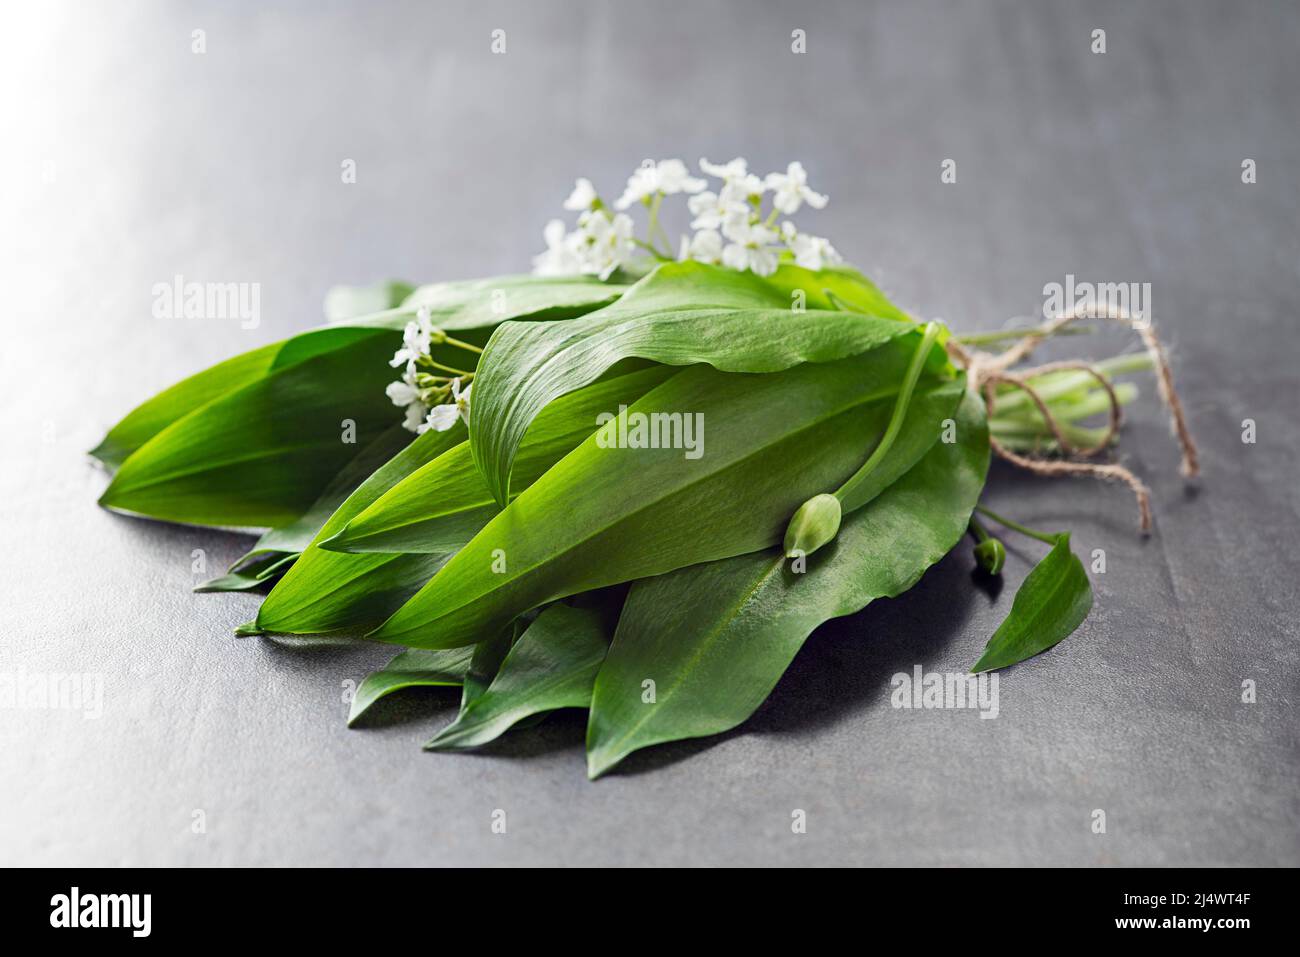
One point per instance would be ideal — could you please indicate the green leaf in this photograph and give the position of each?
(442, 505)
(835, 287)
(269, 559)
(552, 665)
(417, 668)
(486, 662)
(483, 303)
(1053, 601)
(476, 305)
(329, 591)
(607, 515)
(261, 455)
(150, 418)
(204, 388)
(263, 569)
(302, 531)
(349, 302)
(715, 638)
(681, 314)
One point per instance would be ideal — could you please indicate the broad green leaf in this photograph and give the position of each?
(417, 668)
(327, 591)
(715, 638)
(150, 418)
(334, 591)
(442, 505)
(206, 387)
(302, 531)
(681, 314)
(363, 591)
(552, 665)
(330, 591)
(604, 515)
(835, 287)
(261, 455)
(475, 305)
(264, 453)
(275, 551)
(1053, 601)
(349, 302)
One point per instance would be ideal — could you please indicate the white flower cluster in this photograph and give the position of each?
(730, 226)
(431, 401)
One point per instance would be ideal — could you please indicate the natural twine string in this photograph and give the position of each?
(987, 370)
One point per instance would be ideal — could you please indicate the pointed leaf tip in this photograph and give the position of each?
(1049, 606)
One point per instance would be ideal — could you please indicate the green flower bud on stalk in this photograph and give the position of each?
(816, 522)
(990, 555)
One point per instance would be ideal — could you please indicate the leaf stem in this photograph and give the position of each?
(654, 226)
(1067, 409)
(841, 303)
(1053, 385)
(992, 338)
(460, 344)
(652, 250)
(928, 336)
(445, 368)
(978, 530)
(1017, 527)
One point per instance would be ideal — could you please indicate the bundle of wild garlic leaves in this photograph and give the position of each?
(632, 482)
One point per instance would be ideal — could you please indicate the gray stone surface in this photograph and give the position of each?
(129, 159)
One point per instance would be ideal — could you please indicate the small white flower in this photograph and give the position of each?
(810, 252)
(608, 242)
(402, 393)
(415, 413)
(667, 176)
(416, 339)
(583, 195)
(736, 169)
(640, 185)
(562, 257)
(750, 248)
(440, 419)
(674, 177)
(790, 190)
(705, 246)
(443, 417)
(405, 392)
(736, 177)
(712, 209)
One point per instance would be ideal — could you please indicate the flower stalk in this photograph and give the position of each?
(990, 553)
(431, 401)
(817, 521)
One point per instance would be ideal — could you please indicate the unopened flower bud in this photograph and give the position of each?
(990, 555)
(815, 523)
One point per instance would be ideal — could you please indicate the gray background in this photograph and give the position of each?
(129, 159)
